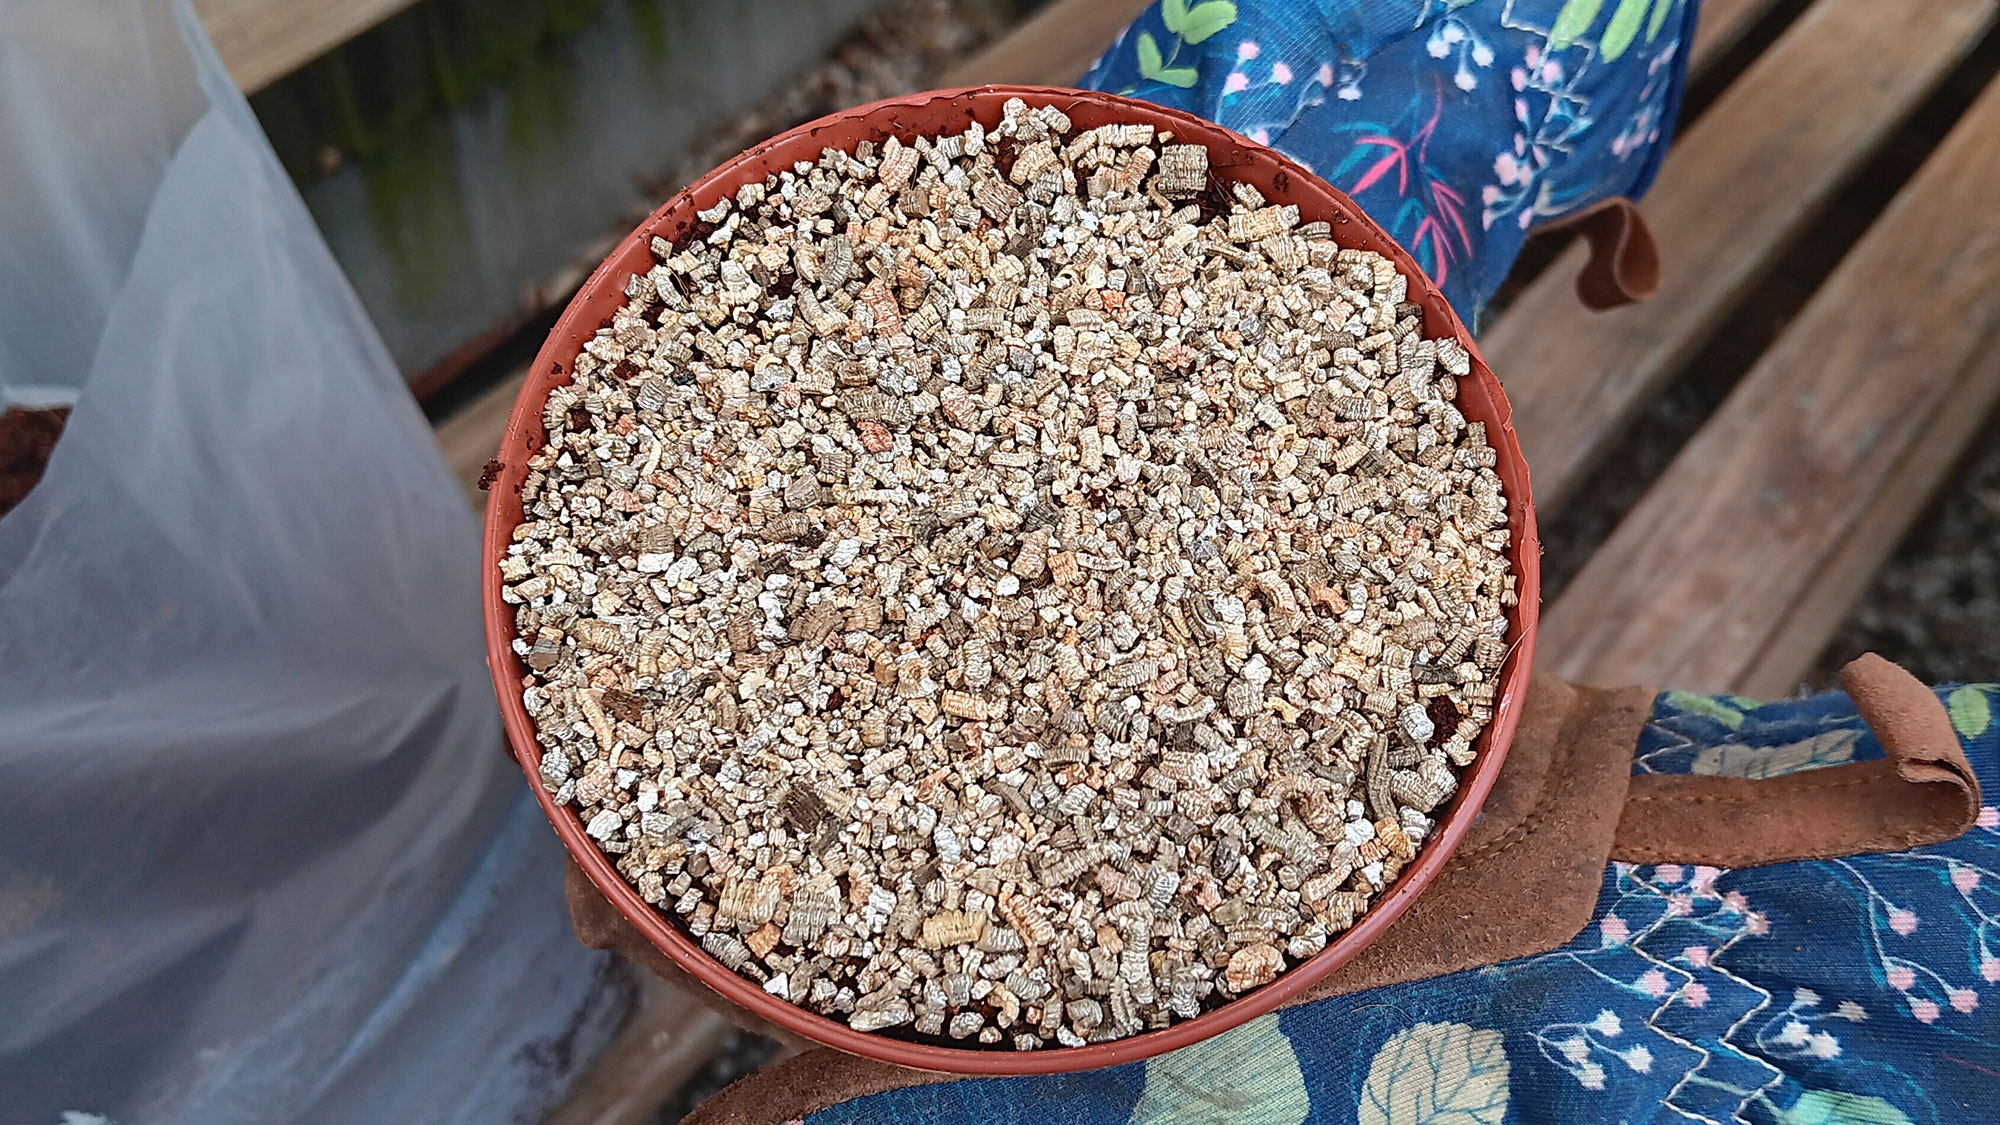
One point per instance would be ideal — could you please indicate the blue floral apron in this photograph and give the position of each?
(1459, 125)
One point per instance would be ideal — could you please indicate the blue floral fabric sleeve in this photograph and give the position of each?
(1456, 124)
(1857, 991)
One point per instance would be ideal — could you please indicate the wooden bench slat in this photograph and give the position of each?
(662, 1045)
(471, 436)
(1701, 576)
(1053, 47)
(1736, 188)
(261, 41)
(1722, 25)
(1816, 616)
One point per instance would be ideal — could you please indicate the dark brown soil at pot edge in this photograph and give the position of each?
(27, 437)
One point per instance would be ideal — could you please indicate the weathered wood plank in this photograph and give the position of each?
(471, 436)
(1738, 187)
(1800, 639)
(661, 1046)
(1722, 25)
(1703, 575)
(1051, 48)
(261, 41)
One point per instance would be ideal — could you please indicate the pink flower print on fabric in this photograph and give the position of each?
(1925, 1010)
(1280, 73)
(1903, 922)
(1614, 930)
(1964, 999)
(1246, 50)
(1694, 994)
(1236, 83)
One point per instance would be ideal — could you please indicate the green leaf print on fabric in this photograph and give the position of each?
(1831, 1107)
(1624, 28)
(1707, 706)
(1659, 20)
(1248, 1076)
(1971, 712)
(1153, 67)
(1205, 19)
(1828, 748)
(1574, 19)
(1437, 1074)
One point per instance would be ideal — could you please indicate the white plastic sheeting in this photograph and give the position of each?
(261, 855)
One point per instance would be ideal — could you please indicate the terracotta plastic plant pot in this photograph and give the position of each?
(949, 111)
